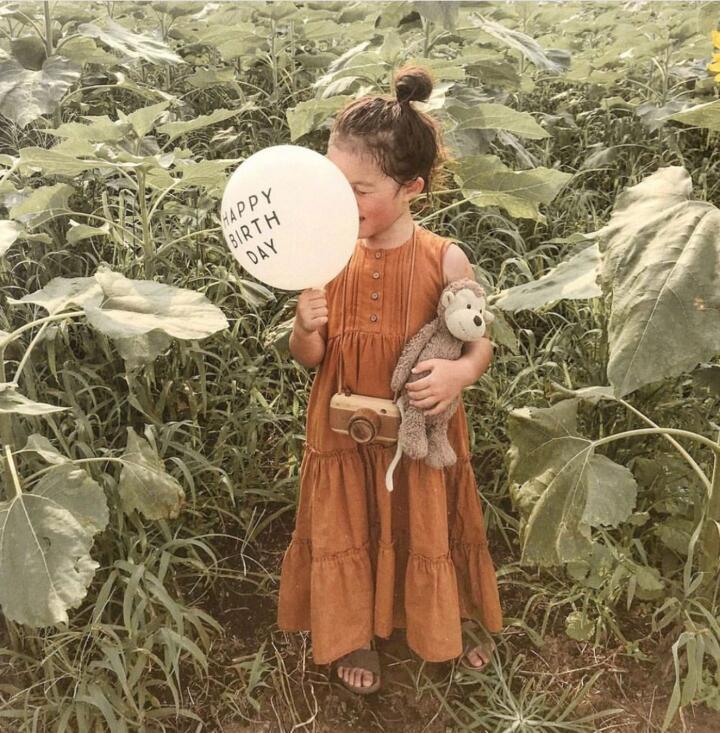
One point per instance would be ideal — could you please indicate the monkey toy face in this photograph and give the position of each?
(464, 312)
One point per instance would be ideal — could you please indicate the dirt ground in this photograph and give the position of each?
(418, 697)
(291, 693)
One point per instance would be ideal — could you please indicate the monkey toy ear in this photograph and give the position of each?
(446, 298)
(488, 316)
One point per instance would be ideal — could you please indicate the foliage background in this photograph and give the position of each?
(147, 107)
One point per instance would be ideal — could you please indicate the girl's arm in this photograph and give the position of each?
(308, 348)
(309, 334)
(476, 355)
(475, 359)
(448, 377)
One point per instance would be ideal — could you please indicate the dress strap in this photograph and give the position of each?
(407, 312)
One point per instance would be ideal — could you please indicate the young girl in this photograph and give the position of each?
(362, 560)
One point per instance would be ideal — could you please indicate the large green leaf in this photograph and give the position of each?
(9, 231)
(490, 66)
(204, 78)
(42, 446)
(342, 62)
(487, 181)
(207, 174)
(490, 116)
(43, 204)
(308, 116)
(575, 278)
(443, 13)
(175, 9)
(99, 129)
(143, 119)
(144, 484)
(560, 485)
(520, 41)
(702, 115)
(134, 45)
(139, 314)
(61, 292)
(138, 351)
(315, 30)
(659, 258)
(502, 333)
(78, 232)
(175, 129)
(83, 50)
(26, 95)
(54, 163)
(45, 541)
(245, 45)
(11, 401)
(232, 40)
(280, 10)
(30, 51)
(135, 307)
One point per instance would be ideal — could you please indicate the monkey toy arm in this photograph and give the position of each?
(410, 354)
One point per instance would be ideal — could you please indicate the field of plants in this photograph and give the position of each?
(152, 419)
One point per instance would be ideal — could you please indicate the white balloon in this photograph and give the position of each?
(289, 217)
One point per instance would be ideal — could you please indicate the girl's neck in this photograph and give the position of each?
(394, 236)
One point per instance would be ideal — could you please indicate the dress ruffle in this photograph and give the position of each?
(365, 584)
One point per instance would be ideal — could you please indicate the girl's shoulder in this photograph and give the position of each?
(435, 243)
(447, 252)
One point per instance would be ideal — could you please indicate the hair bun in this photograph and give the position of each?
(413, 84)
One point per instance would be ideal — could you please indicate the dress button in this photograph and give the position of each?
(378, 255)
(375, 296)
(373, 318)
(376, 275)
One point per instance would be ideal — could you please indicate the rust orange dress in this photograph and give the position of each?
(362, 560)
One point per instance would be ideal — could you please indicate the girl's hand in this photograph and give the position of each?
(311, 311)
(434, 392)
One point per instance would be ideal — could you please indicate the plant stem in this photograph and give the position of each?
(29, 349)
(49, 50)
(715, 447)
(440, 211)
(103, 459)
(710, 546)
(26, 326)
(13, 472)
(148, 248)
(701, 474)
(6, 431)
(273, 60)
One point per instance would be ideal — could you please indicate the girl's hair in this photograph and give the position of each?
(405, 142)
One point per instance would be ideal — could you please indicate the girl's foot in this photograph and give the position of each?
(478, 656)
(357, 676)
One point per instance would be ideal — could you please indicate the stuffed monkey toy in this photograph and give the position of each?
(461, 316)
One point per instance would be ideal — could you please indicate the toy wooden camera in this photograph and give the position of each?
(365, 419)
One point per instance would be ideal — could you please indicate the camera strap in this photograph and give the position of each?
(407, 312)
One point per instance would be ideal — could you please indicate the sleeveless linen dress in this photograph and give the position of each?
(362, 560)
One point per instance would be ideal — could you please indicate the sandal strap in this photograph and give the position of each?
(364, 658)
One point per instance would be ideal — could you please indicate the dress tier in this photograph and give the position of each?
(361, 560)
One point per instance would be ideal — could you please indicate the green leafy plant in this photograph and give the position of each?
(657, 252)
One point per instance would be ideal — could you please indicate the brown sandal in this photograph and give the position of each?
(367, 659)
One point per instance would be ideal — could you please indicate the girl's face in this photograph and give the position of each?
(380, 199)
